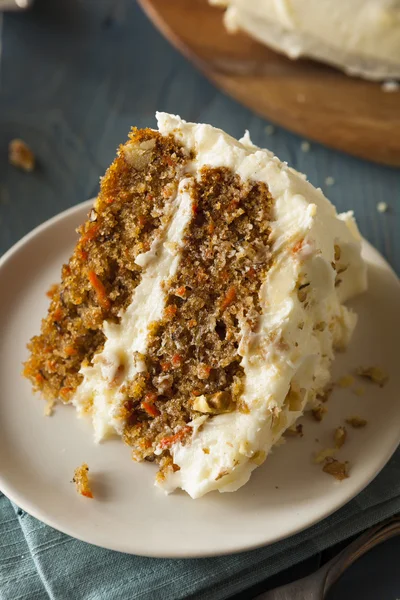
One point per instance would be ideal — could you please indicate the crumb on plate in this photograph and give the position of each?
(338, 470)
(340, 436)
(356, 422)
(81, 480)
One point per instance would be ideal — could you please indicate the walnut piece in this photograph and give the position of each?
(81, 480)
(21, 156)
(219, 402)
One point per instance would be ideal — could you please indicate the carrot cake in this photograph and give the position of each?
(362, 37)
(199, 312)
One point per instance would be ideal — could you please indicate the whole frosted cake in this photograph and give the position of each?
(199, 313)
(362, 37)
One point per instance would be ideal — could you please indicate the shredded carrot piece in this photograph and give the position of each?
(211, 227)
(83, 254)
(39, 378)
(87, 494)
(65, 391)
(142, 220)
(99, 289)
(165, 366)
(150, 409)
(90, 234)
(109, 200)
(170, 311)
(298, 246)
(177, 437)
(51, 292)
(251, 272)
(151, 397)
(58, 314)
(229, 298)
(195, 208)
(71, 351)
(177, 360)
(192, 323)
(181, 291)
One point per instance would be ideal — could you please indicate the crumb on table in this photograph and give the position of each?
(21, 156)
(81, 480)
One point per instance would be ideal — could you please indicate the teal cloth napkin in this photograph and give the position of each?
(38, 562)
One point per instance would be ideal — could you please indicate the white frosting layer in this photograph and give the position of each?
(360, 36)
(292, 347)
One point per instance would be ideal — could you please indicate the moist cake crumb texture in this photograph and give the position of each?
(198, 314)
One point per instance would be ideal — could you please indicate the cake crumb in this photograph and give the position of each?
(81, 480)
(390, 86)
(329, 181)
(338, 470)
(305, 146)
(319, 412)
(21, 156)
(374, 374)
(382, 207)
(270, 130)
(340, 436)
(356, 422)
(345, 381)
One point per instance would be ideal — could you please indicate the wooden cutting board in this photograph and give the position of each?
(311, 99)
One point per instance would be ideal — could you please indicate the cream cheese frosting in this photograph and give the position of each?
(316, 266)
(362, 37)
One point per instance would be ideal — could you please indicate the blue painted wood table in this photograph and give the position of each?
(76, 74)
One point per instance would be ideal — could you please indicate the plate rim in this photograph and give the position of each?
(23, 502)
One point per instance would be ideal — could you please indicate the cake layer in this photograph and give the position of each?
(360, 36)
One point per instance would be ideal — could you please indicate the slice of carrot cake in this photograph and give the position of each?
(199, 313)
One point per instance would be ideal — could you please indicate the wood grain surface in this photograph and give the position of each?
(346, 113)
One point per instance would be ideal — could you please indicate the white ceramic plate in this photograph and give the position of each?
(287, 494)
